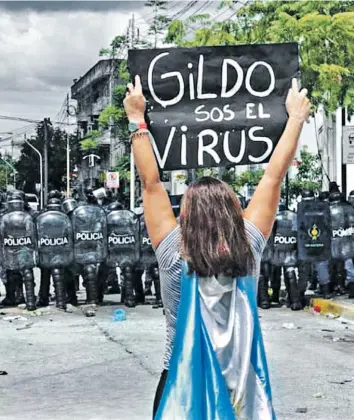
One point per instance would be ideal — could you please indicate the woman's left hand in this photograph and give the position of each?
(134, 102)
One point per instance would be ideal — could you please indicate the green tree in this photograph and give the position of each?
(247, 179)
(160, 21)
(28, 163)
(323, 30)
(309, 175)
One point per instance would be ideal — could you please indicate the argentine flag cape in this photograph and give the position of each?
(223, 376)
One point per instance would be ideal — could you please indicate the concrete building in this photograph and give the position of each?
(93, 93)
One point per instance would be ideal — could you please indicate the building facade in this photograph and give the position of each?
(93, 93)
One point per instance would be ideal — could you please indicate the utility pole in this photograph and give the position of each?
(45, 158)
(67, 151)
(344, 166)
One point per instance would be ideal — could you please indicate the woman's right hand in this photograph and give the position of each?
(297, 103)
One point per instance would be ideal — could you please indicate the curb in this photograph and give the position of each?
(333, 307)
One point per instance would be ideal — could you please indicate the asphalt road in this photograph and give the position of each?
(68, 366)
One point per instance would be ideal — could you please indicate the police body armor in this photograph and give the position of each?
(123, 247)
(90, 234)
(123, 238)
(342, 218)
(56, 251)
(19, 245)
(285, 239)
(90, 245)
(148, 258)
(314, 231)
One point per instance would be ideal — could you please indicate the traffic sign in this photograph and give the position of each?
(348, 144)
(112, 179)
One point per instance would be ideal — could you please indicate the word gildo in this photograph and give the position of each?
(195, 90)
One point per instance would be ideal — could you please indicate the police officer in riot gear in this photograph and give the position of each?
(341, 244)
(351, 283)
(55, 248)
(90, 243)
(139, 267)
(123, 248)
(285, 254)
(19, 242)
(305, 268)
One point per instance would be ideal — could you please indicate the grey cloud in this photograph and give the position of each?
(62, 6)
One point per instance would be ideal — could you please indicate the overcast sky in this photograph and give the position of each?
(44, 45)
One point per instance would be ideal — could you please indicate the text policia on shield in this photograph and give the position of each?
(215, 106)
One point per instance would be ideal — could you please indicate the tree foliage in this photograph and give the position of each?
(309, 175)
(323, 30)
(91, 142)
(28, 163)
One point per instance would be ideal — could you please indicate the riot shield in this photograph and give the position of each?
(147, 253)
(123, 238)
(285, 240)
(18, 241)
(267, 255)
(90, 234)
(314, 231)
(55, 240)
(342, 243)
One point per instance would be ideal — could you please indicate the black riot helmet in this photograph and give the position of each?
(69, 205)
(116, 205)
(281, 207)
(351, 198)
(54, 194)
(323, 196)
(15, 203)
(335, 197)
(54, 204)
(333, 187)
(307, 194)
(90, 198)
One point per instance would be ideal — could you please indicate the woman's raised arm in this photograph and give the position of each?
(263, 206)
(158, 212)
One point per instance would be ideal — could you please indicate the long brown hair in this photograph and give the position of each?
(213, 232)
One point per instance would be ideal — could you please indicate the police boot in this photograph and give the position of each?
(148, 284)
(113, 284)
(156, 280)
(129, 298)
(138, 287)
(294, 295)
(20, 299)
(275, 284)
(60, 287)
(91, 286)
(43, 294)
(341, 276)
(325, 291)
(263, 296)
(10, 288)
(351, 290)
(28, 280)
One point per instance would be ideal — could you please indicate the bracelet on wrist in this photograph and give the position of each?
(139, 133)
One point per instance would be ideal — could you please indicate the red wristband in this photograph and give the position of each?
(142, 126)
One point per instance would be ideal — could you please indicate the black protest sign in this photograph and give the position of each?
(215, 106)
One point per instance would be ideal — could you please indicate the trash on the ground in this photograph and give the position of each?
(290, 326)
(345, 381)
(90, 312)
(3, 373)
(14, 318)
(119, 315)
(22, 306)
(335, 339)
(325, 330)
(35, 313)
(332, 316)
(318, 395)
(317, 308)
(301, 410)
(25, 327)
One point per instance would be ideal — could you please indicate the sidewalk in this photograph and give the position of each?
(338, 306)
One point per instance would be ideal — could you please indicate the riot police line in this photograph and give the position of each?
(70, 239)
(313, 247)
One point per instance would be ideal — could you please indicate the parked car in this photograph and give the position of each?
(33, 201)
